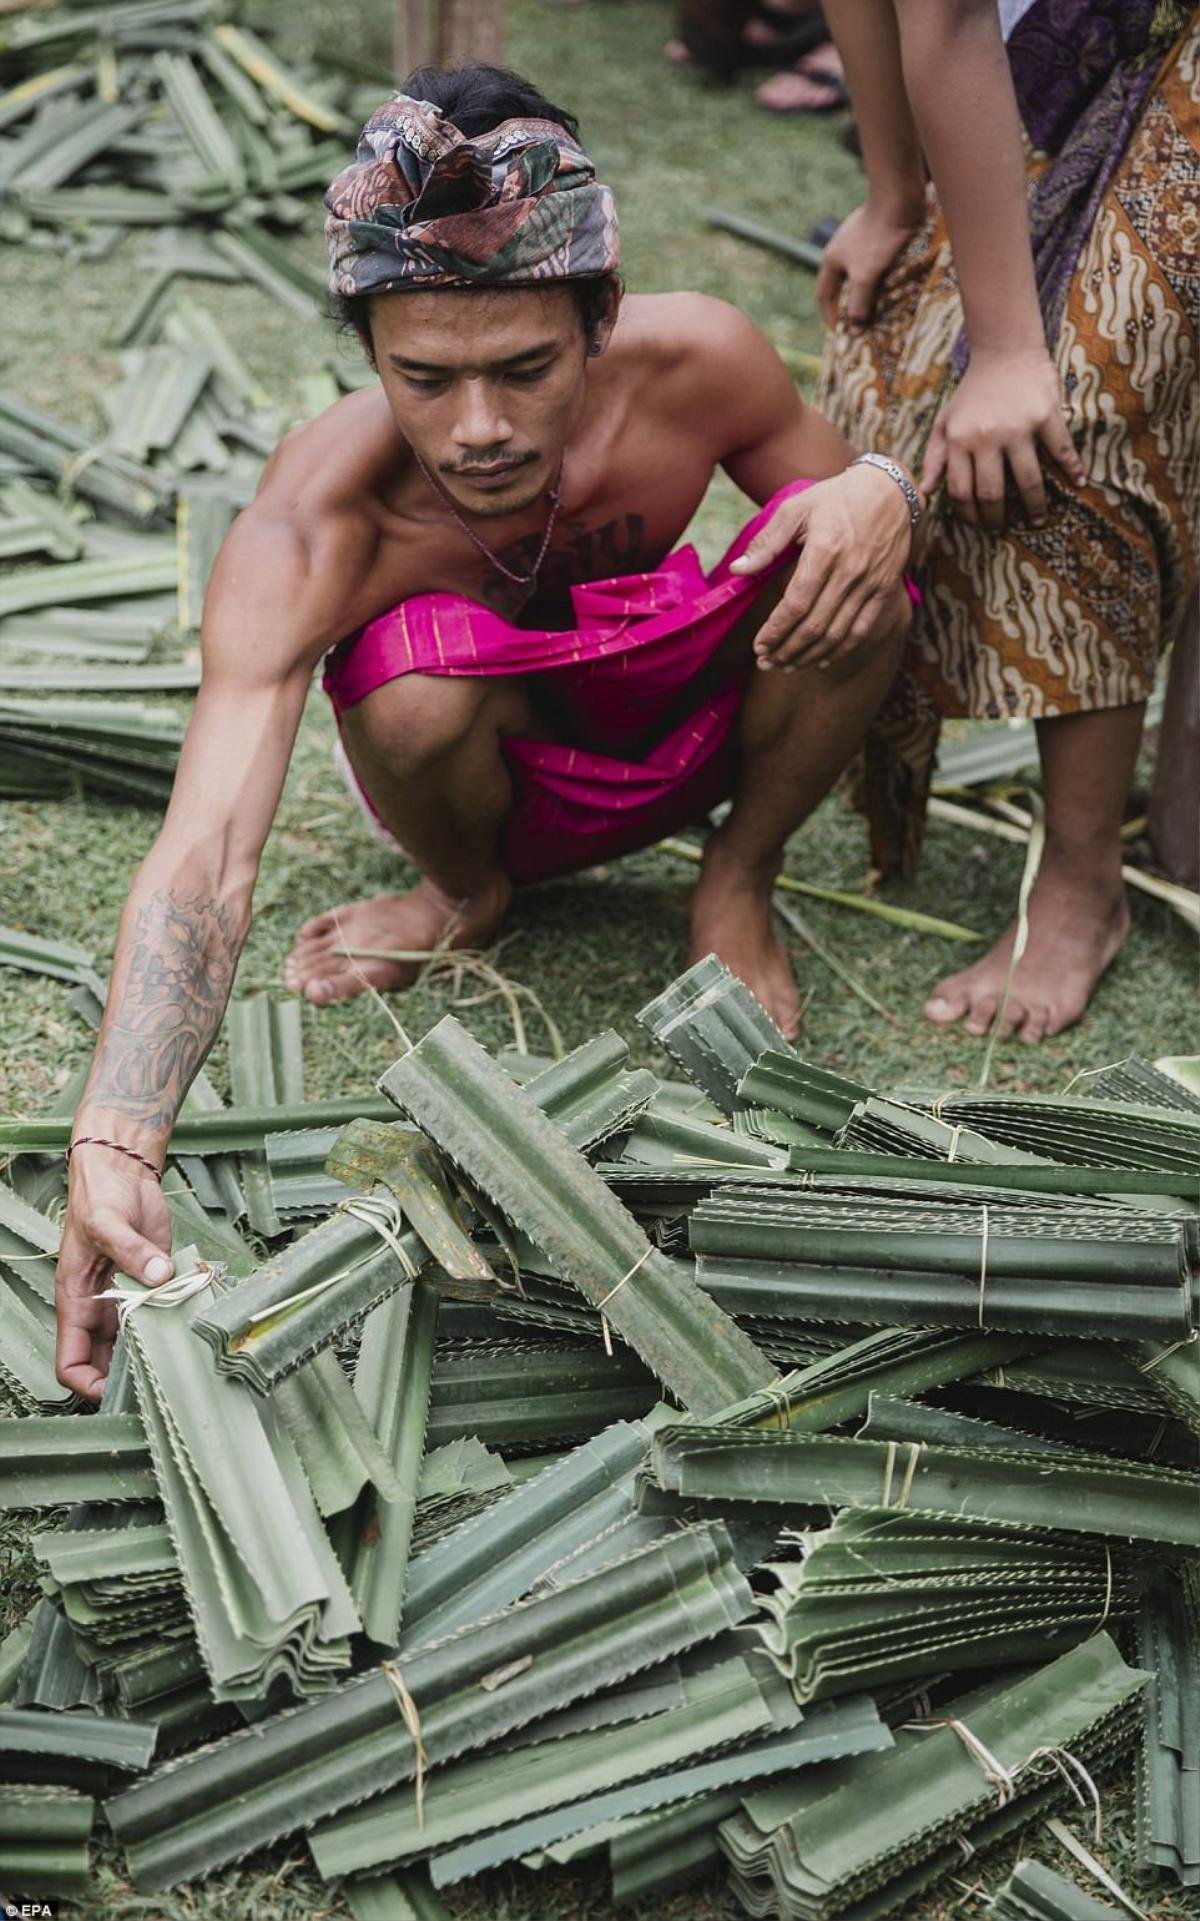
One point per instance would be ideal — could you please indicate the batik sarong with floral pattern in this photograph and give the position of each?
(1071, 616)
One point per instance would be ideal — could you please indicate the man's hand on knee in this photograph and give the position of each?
(857, 631)
(855, 536)
(879, 629)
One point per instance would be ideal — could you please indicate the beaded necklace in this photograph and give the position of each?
(526, 580)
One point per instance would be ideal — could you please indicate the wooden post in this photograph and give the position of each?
(1175, 795)
(448, 33)
(416, 44)
(470, 30)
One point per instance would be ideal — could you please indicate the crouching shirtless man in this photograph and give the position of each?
(527, 679)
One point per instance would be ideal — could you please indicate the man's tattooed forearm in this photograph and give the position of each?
(155, 1036)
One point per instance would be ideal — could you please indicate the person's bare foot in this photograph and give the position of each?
(732, 918)
(417, 922)
(814, 85)
(1077, 927)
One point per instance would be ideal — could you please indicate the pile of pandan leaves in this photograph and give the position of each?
(751, 1473)
(171, 129)
(173, 122)
(107, 541)
(541, 1461)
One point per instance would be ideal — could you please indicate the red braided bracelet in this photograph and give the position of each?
(95, 1140)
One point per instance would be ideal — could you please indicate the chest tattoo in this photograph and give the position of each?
(579, 553)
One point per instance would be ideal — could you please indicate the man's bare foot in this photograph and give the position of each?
(731, 918)
(417, 922)
(1077, 926)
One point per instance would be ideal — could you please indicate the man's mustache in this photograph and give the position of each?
(488, 466)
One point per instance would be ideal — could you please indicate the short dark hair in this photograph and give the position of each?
(476, 99)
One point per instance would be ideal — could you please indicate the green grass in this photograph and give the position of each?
(594, 948)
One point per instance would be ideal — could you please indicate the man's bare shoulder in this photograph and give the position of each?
(301, 559)
(702, 358)
(693, 332)
(338, 464)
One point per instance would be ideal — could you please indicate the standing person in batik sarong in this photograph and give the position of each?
(1059, 616)
(528, 676)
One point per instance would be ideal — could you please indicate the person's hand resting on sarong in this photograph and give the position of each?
(1006, 406)
(854, 533)
(932, 90)
(859, 254)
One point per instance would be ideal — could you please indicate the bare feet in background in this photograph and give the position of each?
(816, 84)
(1077, 927)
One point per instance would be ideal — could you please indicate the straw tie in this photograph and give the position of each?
(914, 1455)
(889, 1468)
(602, 1304)
(1145, 1367)
(77, 464)
(1070, 1766)
(375, 1212)
(983, 1254)
(1004, 1779)
(412, 1721)
(384, 1215)
(1089, 1074)
(172, 1293)
(1108, 1589)
(776, 1394)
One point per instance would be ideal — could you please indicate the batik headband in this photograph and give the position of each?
(423, 206)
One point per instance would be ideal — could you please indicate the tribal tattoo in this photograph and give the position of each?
(580, 553)
(181, 966)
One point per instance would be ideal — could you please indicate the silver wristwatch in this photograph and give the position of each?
(894, 472)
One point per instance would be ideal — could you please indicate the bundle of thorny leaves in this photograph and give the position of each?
(172, 115)
(163, 115)
(747, 1473)
(107, 542)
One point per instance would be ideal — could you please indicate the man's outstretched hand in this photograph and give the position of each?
(117, 1219)
(855, 537)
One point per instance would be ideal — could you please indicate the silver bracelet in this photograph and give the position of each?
(894, 472)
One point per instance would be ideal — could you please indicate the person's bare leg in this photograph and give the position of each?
(1078, 913)
(798, 731)
(427, 751)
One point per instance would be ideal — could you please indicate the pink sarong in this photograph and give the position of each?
(636, 643)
